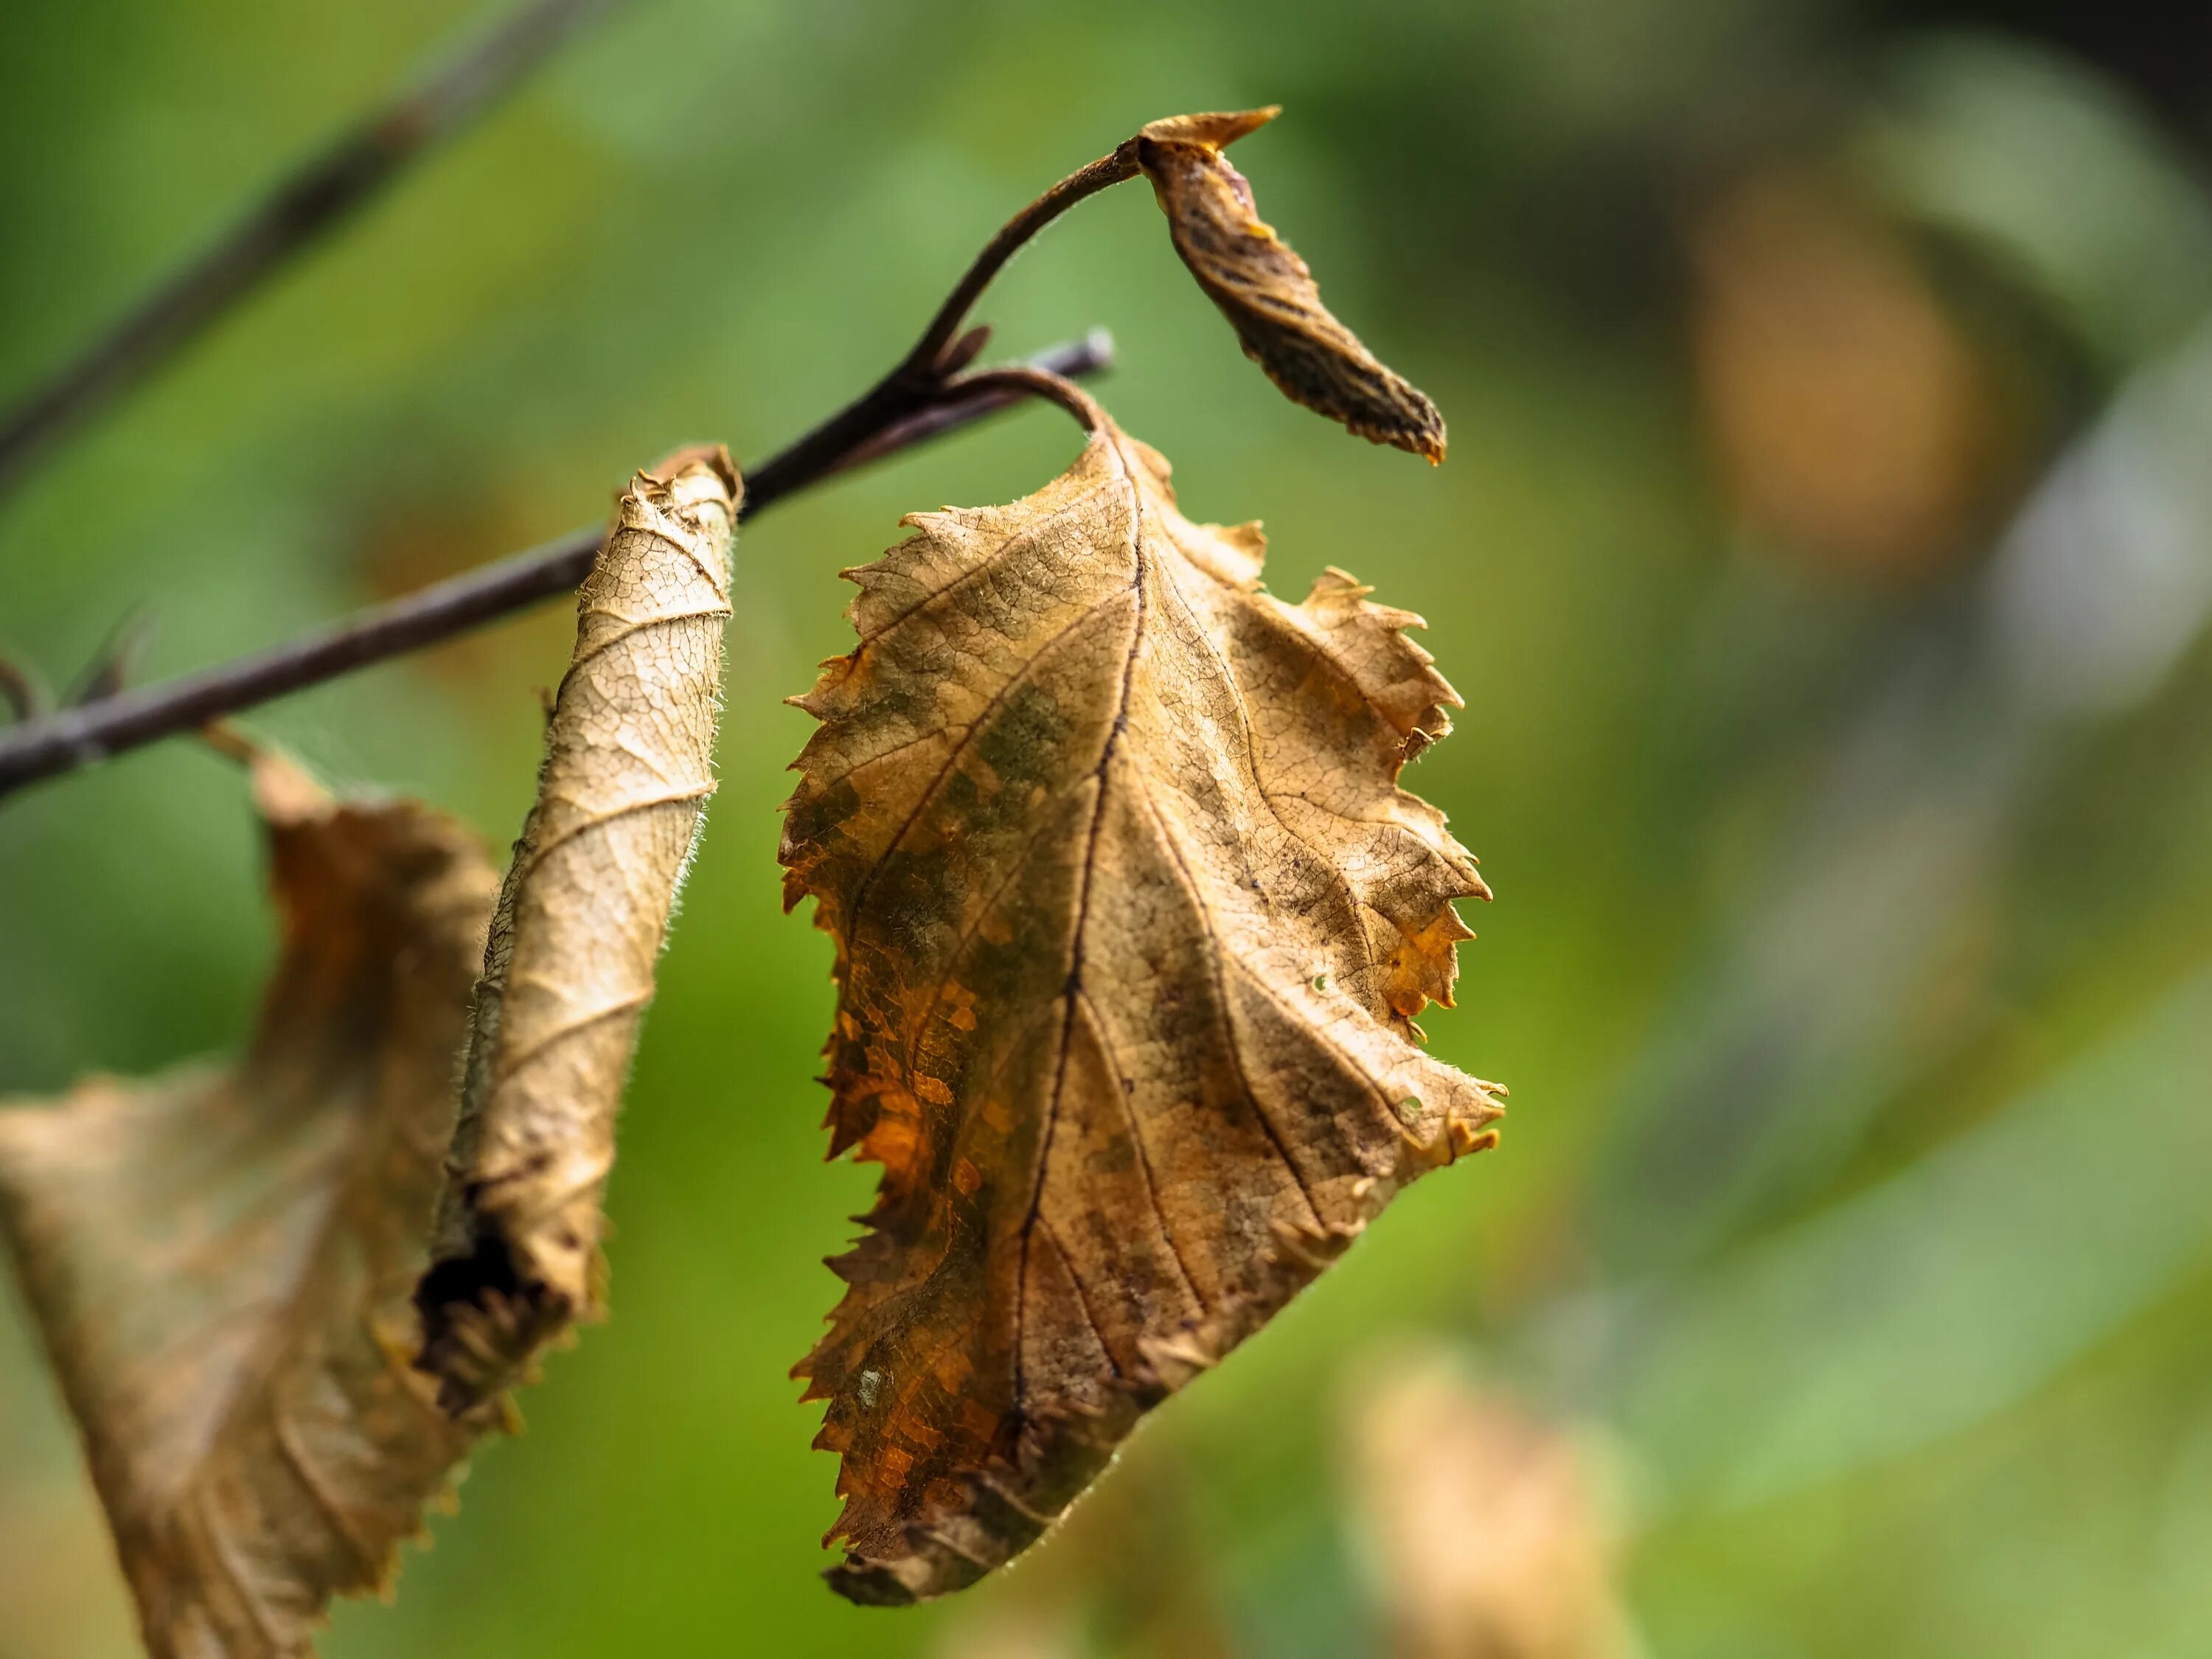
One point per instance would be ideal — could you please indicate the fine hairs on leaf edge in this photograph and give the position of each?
(575, 944)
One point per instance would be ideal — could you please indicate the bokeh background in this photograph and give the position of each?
(1824, 555)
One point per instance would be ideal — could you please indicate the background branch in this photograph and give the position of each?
(306, 205)
(72, 738)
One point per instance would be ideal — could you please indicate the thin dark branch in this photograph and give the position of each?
(920, 399)
(72, 738)
(1013, 236)
(980, 394)
(915, 384)
(304, 207)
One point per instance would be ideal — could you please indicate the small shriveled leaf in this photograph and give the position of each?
(1266, 290)
(569, 968)
(1132, 921)
(220, 1261)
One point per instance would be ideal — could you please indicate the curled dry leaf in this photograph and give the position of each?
(1132, 921)
(570, 967)
(1266, 290)
(220, 1260)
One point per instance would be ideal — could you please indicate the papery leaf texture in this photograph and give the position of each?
(1266, 290)
(220, 1260)
(1132, 923)
(582, 914)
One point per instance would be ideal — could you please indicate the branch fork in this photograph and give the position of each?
(1259, 284)
(929, 392)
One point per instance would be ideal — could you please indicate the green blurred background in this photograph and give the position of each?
(1824, 555)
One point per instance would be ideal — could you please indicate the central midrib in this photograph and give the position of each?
(1074, 986)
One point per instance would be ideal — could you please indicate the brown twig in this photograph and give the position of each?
(922, 397)
(306, 205)
(981, 393)
(915, 384)
(1018, 380)
(72, 738)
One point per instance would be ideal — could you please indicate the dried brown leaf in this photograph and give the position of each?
(220, 1260)
(1132, 921)
(1266, 290)
(569, 968)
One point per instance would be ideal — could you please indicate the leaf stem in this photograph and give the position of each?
(920, 376)
(1037, 380)
(1014, 236)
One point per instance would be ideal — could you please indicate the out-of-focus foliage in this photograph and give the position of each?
(1856, 901)
(1490, 1533)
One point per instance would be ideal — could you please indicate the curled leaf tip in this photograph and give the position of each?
(1213, 128)
(1267, 291)
(569, 967)
(697, 474)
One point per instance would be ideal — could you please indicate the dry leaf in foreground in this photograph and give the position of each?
(569, 972)
(1492, 1539)
(1266, 290)
(1132, 921)
(220, 1261)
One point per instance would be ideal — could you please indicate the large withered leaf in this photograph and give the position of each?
(569, 968)
(1132, 923)
(1266, 290)
(220, 1260)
